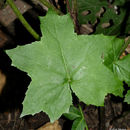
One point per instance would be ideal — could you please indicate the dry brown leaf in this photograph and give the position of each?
(86, 12)
(2, 81)
(123, 54)
(105, 25)
(51, 126)
(128, 49)
(86, 29)
(101, 12)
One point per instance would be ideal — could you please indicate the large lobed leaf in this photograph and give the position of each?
(63, 61)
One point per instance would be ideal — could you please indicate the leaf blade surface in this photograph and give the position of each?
(62, 60)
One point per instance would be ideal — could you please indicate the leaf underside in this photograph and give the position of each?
(63, 60)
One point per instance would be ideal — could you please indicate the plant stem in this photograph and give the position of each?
(73, 12)
(81, 111)
(49, 5)
(68, 7)
(22, 20)
(74, 6)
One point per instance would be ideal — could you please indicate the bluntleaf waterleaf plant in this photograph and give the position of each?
(63, 61)
(108, 14)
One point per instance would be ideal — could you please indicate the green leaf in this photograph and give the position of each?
(113, 53)
(122, 69)
(79, 124)
(127, 97)
(73, 113)
(63, 61)
(94, 7)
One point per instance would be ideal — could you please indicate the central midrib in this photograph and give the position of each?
(63, 58)
(64, 62)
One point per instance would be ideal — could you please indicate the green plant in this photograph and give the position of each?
(62, 63)
(77, 116)
(106, 17)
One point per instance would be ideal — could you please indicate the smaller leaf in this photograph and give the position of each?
(79, 124)
(73, 113)
(127, 97)
(122, 69)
